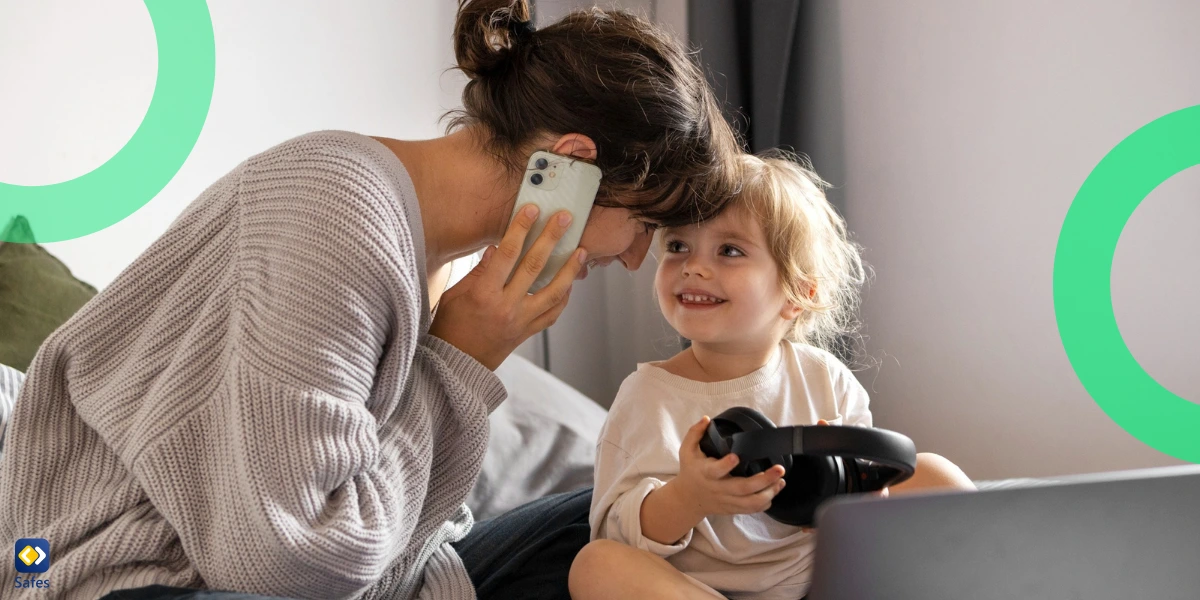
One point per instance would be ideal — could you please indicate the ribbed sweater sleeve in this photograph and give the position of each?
(255, 404)
(309, 474)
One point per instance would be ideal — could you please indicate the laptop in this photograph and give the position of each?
(1127, 535)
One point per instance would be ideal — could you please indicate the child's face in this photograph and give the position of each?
(718, 284)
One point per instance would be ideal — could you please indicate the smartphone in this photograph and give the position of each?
(554, 183)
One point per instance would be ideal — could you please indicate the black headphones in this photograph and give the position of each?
(819, 461)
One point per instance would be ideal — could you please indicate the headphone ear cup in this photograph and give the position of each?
(856, 471)
(748, 420)
(865, 476)
(712, 443)
(811, 480)
(842, 480)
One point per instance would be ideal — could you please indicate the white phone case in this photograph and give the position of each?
(564, 183)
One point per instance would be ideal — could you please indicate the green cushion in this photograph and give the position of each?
(37, 294)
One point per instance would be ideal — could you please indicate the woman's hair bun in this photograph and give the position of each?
(665, 150)
(486, 33)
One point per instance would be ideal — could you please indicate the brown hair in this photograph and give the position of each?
(820, 269)
(663, 146)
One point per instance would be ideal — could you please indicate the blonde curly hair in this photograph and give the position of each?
(820, 269)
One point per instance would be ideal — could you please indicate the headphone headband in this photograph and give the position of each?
(881, 446)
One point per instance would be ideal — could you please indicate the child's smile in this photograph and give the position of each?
(698, 299)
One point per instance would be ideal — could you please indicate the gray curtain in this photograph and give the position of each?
(776, 66)
(748, 47)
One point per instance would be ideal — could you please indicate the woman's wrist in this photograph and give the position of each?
(491, 360)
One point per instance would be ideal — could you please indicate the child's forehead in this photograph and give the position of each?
(735, 219)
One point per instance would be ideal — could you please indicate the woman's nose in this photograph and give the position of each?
(633, 256)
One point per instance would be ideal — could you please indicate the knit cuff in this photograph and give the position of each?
(628, 513)
(446, 577)
(479, 379)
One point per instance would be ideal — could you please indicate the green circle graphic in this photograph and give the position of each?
(1082, 284)
(143, 167)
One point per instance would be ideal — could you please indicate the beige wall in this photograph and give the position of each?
(957, 135)
(969, 127)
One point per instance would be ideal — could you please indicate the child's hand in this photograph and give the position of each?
(706, 482)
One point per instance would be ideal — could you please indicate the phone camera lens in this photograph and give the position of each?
(541, 163)
(536, 178)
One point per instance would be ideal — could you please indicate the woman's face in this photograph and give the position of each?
(610, 233)
(615, 234)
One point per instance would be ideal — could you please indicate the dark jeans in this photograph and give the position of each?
(524, 553)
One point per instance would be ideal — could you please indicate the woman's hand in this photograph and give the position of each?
(487, 318)
(713, 490)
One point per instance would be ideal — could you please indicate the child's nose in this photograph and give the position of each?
(696, 265)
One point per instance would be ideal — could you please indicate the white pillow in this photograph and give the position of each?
(10, 385)
(543, 441)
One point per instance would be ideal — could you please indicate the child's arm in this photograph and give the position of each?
(621, 487)
(636, 456)
(654, 498)
(667, 516)
(704, 487)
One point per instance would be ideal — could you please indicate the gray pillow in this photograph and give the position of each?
(543, 441)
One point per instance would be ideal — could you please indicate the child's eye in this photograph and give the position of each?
(727, 250)
(675, 246)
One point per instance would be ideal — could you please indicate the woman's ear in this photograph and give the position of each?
(576, 145)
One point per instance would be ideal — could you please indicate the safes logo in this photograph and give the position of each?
(31, 555)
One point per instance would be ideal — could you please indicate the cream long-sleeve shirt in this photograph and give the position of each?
(741, 556)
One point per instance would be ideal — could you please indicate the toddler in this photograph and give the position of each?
(759, 290)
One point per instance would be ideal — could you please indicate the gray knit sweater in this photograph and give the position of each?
(255, 404)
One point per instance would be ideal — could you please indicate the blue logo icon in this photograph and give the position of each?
(32, 555)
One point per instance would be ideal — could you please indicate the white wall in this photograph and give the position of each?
(969, 127)
(76, 77)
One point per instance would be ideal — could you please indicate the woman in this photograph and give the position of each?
(264, 403)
